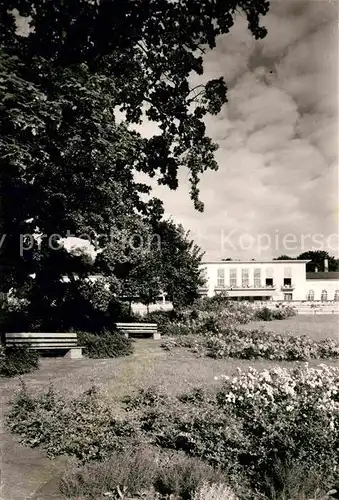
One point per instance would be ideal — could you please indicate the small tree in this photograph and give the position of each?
(180, 263)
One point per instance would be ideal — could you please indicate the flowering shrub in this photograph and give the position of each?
(286, 413)
(256, 424)
(252, 344)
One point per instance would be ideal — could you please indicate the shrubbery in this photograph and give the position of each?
(267, 314)
(254, 344)
(141, 471)
(213, 315)
(265, 426)
(105, 345)
(17, 360)
(84, 427)
(271, 434)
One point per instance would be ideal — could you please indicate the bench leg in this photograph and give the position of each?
(74, 353)
(156, 336)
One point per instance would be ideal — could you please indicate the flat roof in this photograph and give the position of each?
(256, 261)
(329, 275)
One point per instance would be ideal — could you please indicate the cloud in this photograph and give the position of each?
(277, 136)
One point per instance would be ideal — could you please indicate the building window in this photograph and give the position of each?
(310, 295)
(269, 277)
(323, 296)
(287, 282)
(288, 297)
(221, 278)
(245, 277)
(233, 278)
(336, 295)
(257, 278)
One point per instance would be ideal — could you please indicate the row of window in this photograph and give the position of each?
(245, 273)
(323, 297)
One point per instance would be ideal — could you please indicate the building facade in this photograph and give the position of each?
(277, 280)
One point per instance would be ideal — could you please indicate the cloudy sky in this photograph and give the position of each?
(276, 190)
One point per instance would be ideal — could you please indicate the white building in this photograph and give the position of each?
(278, 280)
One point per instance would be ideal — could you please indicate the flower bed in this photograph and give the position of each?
(255, 344)
(264, 426)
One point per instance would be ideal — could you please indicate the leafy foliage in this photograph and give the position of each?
(142, 472)
(267, 314)
(269, 434)
(131, 471)
(105, 345)
(255, 423)
(84, 427)
(254, 344)
(317, 258)
(69, 162)
(17, 360)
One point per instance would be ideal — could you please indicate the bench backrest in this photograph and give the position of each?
(39, 340)
(138, 328)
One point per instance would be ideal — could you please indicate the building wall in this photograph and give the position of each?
(331, 286)
(218, 279)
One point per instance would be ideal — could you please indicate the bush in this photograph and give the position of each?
(84, 427)
(294, 417)
(214, 492)
(213, 314)
(266, 314)
(128, 471)
(17, 360)
(138, 471)
(256, 425)
(297, 481)
(181, 477)
(256, 344)
(105, 345)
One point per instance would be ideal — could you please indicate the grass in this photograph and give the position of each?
(317, 327)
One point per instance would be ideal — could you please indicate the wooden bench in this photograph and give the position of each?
(47, 341)
(138, 330)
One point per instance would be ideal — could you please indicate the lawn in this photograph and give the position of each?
(150, 365)
(317, 327)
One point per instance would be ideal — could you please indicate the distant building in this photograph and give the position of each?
(278, 280)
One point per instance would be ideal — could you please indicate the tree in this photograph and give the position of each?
(179, 265)
(284, 257)
(317, 258)
(67, 166)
